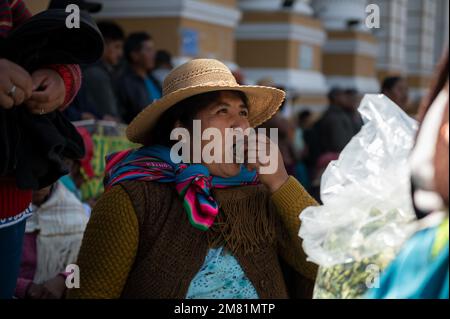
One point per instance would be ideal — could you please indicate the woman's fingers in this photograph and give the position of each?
(261, 151)
(21, 79)
(39, 103)
(38, 108)
(15, 84)
(41, 97)
(19, 96)
(6, 101)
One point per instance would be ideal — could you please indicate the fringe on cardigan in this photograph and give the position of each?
(245, 221)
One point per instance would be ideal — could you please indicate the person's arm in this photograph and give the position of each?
(22, 287)
(69, 73)
(13, 77)
(19, 12)
(71, 76)
(290, 200)
(109, 247)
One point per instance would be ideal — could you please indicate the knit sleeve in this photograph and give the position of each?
(19, 11)
(109, 247)
(71, 75)
(290, 200)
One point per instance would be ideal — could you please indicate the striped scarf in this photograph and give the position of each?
(12, 14)
(192, 181)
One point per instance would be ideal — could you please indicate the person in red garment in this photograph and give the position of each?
(43, 91)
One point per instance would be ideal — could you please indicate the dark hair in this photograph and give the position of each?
(185, 112)
(390, 82)
(162, 57)
(111, 31)
(134, 43)
(351, 91)
(304, 115)
(439, 81)
(333, 93)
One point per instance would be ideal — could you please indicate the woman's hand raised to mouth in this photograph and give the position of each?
(265, 157)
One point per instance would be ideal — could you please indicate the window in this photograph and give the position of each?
(189, 42)
(306, 59)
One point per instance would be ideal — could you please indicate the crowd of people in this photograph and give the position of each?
(204, 231)
(126, 79)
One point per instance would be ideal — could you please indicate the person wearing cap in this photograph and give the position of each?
(195, 230)
(100, 78)
(137, 87)
(88, 6)
(45, 90)
(337, 126)
(330, 134)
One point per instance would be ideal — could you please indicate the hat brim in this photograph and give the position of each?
(263, 103)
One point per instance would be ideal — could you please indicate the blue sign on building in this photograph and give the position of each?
(189, 42)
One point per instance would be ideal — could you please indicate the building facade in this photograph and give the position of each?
(306, 46)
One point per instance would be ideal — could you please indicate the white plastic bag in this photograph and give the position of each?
(366, 203)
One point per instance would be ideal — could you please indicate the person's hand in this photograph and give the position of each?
(36, 291)
(56, 286)
(269, 165)
(15, 84)
(51, 289)
(49, 92)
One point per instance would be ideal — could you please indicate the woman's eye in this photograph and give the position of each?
(244, 113)
(223, 110)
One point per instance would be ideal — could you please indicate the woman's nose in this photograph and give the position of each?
(240, 122)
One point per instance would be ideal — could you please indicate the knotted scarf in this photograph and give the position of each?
(192, 181)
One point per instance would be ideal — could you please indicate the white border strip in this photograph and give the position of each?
(352, 47)
(189, 9)
(417, 94)
(280, 31)
(362, 84)
(299, 81)
(301, 7)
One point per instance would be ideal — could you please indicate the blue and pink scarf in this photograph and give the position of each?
(192, 181)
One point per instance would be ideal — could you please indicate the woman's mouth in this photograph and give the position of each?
(238, 150)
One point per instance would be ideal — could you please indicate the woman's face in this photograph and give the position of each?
(228, 111)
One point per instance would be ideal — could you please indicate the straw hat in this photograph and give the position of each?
(200, 76)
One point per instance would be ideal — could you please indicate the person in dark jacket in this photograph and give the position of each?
(99, 78)
(81, 108)
(396, 88)
(163, 65)
(339, 123)
(41, 92)
(331, 134)
(137, 87)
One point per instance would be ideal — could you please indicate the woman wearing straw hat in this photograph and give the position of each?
(208, 230)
